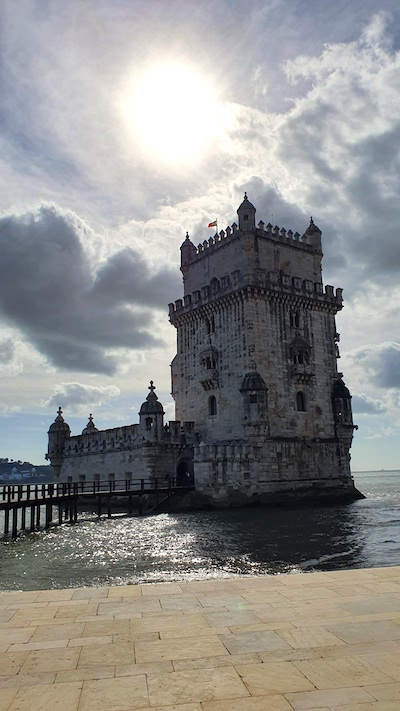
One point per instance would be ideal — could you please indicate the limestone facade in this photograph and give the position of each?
(262, 413)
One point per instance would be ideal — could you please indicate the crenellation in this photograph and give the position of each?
(271, 280)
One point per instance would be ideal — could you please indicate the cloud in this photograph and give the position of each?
(339, 139)
(7, 350)
(380, 363)
(76, 312)
(362, 404)
(78, 397)
(126, 277)
(10, 411)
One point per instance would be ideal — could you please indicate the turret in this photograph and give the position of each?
(90, 427)
(313, 236)
(246, 214)
(151, 416)
(188, 252)
(58, 433)
(341, 403)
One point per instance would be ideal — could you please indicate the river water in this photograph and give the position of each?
(197, 546)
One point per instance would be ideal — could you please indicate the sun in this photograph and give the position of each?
(173, 113)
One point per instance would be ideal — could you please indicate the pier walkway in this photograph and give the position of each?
(320, 641)
(34, 506)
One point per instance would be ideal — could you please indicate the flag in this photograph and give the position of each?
(213, 224)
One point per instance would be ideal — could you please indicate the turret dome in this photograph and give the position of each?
(246, 204)
(90, 427)
(312, 229)
(151, 406)
(247, 214)
(59, 425)
(252, 381)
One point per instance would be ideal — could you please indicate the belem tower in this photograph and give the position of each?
(262, 413)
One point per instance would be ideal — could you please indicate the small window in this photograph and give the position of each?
(253, 397)
(300, 402)
(212, 324)
(297, 319)
(208, 326)
(212, 405)
(245, 217)
(149, 423)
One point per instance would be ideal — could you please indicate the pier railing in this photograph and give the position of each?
(31, 506)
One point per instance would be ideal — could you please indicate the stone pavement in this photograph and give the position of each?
(321, 641)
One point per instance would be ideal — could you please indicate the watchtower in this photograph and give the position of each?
(256, 364)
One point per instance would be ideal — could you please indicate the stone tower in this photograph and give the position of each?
(59, 432)
(256, 366)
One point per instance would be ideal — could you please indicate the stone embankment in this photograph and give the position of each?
(326, 641)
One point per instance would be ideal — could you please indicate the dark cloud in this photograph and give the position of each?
(381, 363)
(362, 404)
(126, 278)
(72, 316)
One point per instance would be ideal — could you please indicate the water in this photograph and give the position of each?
(197, 546)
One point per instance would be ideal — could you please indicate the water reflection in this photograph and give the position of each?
(196, 546)
(184, 547)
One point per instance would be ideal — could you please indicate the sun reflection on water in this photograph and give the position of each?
(204, 545)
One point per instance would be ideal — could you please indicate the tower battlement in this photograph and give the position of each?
(279, 235)
(276, 282)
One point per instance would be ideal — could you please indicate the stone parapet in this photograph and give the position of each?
(276, 234)
(126, 438)
(268, 281)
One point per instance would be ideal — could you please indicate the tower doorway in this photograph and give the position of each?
(184, 473)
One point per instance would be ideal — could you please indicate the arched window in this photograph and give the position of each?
(212, 405)
(297, 319)
(208, 326)
(300, 402)
(212, 324)
(149, 423)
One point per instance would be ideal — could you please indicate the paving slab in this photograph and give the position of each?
(319, 641)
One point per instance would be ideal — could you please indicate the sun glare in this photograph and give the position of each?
(173, 113)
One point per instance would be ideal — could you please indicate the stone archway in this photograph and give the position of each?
(184, 473)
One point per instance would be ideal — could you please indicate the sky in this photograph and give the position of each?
(123, 125)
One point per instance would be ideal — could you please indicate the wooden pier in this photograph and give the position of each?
(31, 507)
